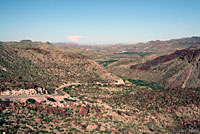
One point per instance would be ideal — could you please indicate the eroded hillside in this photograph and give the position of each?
(179, 69)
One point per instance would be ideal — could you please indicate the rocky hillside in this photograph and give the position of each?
(102, 108)
(30, 67)
(179, 69)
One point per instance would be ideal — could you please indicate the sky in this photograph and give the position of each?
(98, 21)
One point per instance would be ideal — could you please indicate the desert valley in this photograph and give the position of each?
(99, 67)
(135, 88)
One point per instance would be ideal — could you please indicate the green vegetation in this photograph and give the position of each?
(152, 85)
(19, 85)
(66, 99)
(106, 63)
(67, 89)
(138, 53)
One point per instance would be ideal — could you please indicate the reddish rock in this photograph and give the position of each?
(71, 104)
(3, 105)
(87, 123)
(74, 116)
(92, 127)
(36, 132)
(84, 110)
(39, 121)
(110, 116)
(184, 54)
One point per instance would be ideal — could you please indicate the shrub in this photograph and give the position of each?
(18, 85)
(69, 100)
(67, 89)
(31, 101)
(153, 85)
(106, 63)
(2, 121)
(51, 99)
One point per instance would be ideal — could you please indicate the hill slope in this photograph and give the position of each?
(29, 67)
(109, 109)
(179, 69)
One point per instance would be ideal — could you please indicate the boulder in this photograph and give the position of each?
(119, 82)
(92, 127)
(84, 110)
(7, 92)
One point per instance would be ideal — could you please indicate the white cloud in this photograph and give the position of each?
(74, 38)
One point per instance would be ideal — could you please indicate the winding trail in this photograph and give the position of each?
(38, 97)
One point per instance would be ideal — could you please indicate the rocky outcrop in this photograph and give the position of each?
(84, 110)
(92, 127)
(187, 55)
(119, 82)
(25, 92)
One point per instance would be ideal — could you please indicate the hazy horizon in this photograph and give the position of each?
(98, 22)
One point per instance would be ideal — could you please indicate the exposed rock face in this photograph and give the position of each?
(179, 69)
(119, 82)
(187, 55)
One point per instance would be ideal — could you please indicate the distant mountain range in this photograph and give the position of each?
(151, 46)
